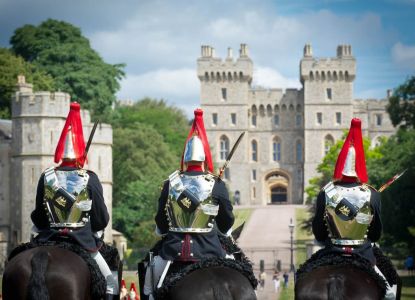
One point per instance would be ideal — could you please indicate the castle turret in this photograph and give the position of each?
(328, 107)
(37, 121)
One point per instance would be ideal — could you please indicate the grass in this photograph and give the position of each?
(301, 238)
(241, 215)
(408, 290)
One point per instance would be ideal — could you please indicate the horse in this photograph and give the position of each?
(213, 283)
(337, 283)
(47, 272)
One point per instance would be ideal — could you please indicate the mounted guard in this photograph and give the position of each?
(69, 201)
(193, 206)
(347, 218)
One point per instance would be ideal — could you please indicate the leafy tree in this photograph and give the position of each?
(401, 106)
(147, 136)
(169, 121)
(398, 206)
(10, 67)
(59, 49)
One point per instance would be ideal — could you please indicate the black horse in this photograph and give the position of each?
(47, 273)
(329, 275)
(213, 283)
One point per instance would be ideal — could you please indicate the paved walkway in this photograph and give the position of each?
(266, 236)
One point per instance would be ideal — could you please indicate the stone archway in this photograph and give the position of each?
(278, 187)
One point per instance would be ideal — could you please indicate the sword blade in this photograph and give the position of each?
(390, 181)
(91, 136)
(238, 141)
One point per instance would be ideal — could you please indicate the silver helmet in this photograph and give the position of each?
(69, 152)
(194, 150)
(350, 164)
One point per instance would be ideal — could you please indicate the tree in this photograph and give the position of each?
(59, 49)
(398, 205)
(10, 67)
(401, 106)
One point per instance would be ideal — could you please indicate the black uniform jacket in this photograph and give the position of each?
(194, 246)
(319, 224)
(84, 236)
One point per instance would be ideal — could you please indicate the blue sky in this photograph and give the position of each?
(160, 40)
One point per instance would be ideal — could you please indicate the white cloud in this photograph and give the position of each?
(270, 78)
(178, 86)
(404, 55)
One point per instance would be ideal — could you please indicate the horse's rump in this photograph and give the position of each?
(333, 276)
(57, 272)
(214, 272)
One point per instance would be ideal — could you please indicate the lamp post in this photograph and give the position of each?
(291, 227)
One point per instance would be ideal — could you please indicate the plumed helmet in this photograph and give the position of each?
(194, 150)
(71, 144)
(197, 145)
(351, 164)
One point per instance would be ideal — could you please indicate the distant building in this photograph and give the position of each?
(288, 132)
(27, 147)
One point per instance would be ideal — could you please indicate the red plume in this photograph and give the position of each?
(353, 138)
(198, 128)
(75, 123)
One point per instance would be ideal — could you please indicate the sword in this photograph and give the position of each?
(91, 136)
(390, 181)
(221, 170)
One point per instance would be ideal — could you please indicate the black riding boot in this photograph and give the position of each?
(112, 297)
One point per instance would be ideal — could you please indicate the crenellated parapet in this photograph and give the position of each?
(332, 69)
(213, 69)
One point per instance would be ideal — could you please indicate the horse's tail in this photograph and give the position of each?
(37, 283)
(335, 288)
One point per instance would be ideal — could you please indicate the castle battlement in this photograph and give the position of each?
(27, 103)
(211, 68)
(339, 68)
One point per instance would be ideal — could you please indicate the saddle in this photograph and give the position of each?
(98, 282)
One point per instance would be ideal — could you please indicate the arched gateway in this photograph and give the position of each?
(278, 187)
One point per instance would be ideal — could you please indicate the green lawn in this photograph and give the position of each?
(241, 215)
(408, 290)
(300, 252)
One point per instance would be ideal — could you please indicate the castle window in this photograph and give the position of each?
(284, 107)
(298, 120)
(224, 94)
(254, 150)
(276, 108)
(328, 142)
(253, 120)
(253, 175)
(277, 120)
(269, 110)
(214, 119)
(378, 118)
(338, 118)
(319, 118)
(298, 107)
(299, 151)
(233, 119)
(329, 94)
(276, 150)
(261, 110)
(253, 192)
(291, 107)
(224, 147)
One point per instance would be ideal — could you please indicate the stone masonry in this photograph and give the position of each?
(287, 132)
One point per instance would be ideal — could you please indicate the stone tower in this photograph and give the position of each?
(224, 92)
(37, 121)
(328, 102)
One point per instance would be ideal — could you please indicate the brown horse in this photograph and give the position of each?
(337, 283)
(46, 273)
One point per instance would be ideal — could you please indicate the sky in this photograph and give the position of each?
(160, 41)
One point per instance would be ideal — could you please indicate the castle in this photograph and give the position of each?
(287, 132)
(27, 147)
